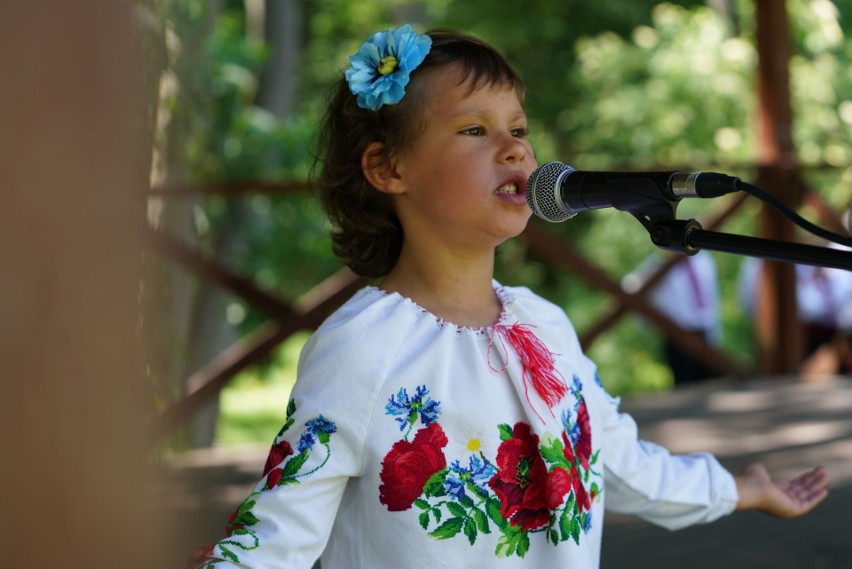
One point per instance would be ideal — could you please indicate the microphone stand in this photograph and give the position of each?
(687, 236)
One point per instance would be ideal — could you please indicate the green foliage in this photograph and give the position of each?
(677, 92)
(611, 85)
(253, 406)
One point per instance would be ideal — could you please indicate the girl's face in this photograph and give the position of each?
(463, 179)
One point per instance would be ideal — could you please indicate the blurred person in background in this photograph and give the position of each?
(824, 305)
(688, 295)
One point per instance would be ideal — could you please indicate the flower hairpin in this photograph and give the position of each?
(379, 72)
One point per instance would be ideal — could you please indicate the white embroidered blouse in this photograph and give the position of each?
(412, 442)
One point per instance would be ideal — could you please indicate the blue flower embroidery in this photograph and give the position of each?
(587, 522)
(577, 389)
(475, 477)
(379, 72)
(407, 409)
(319, 427)
(571, 425)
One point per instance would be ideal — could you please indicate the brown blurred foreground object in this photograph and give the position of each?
(73, 476)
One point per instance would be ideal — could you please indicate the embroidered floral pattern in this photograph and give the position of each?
(240, 535)
(409, 465)
(408, 409)
(527, 491)
(532, 486)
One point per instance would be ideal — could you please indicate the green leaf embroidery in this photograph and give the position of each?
(554, 453)
(492, 508)
(523, 544)
(242, 531)
(247, 519)
(576, 528)
(456, 510)
(470, 530)
(505, 431)
(553, 535)
(448, 529)
(506, 546)
(424, 519)
(565, 525)
(243, 516)
(294, 464)
(422, 504)
(228, 554)
(481, 520)
(291, 408)
(571, 504)
(435, 485)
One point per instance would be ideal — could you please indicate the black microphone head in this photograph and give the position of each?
(544, 194)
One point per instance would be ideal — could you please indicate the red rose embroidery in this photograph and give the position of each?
(583, 448)
(526, 490)
(276, 455)
(558, 484)
(580, 493)
(274, 478)
(408, 466)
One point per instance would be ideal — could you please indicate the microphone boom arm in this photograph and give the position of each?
(688, 237)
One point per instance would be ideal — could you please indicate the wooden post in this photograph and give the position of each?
(777, 328)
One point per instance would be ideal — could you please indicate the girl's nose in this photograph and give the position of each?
(513, 149)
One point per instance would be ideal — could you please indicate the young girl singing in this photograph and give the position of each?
(439, 418)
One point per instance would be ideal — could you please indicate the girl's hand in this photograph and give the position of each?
(790, 499)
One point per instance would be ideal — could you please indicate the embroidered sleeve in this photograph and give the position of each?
(287, 519)
(261, 532)
(643, 478)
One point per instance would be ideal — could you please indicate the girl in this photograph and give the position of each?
(439, 418)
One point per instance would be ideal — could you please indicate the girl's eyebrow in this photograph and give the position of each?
(486, 114)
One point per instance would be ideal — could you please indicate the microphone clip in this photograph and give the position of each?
(674, 235)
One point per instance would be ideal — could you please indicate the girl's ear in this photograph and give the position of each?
(381, 170)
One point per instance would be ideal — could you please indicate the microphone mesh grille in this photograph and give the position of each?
(543, 194)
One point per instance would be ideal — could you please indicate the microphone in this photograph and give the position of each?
(557, 192)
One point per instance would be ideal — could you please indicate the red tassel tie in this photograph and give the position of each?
(537, 362)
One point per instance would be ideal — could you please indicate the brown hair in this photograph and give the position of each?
(366, 233)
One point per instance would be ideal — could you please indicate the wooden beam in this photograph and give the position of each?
(176, 250)
(207, 382)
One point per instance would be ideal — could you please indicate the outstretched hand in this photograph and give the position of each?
(789, 499)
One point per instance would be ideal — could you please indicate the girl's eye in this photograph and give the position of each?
(474, 131)
(519, 132)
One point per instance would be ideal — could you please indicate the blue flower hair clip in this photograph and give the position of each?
(379, 72)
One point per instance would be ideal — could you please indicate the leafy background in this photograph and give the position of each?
(611, 85)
